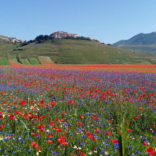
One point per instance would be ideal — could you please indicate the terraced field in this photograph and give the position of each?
(68, 51)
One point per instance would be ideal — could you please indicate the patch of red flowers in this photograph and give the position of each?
(62, 140)
(35, 145)
(2, 126)
(151, 151)
(115, 141)
(129, 130)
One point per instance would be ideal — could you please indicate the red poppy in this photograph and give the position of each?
(26, 116)
(52, 124)
(1, 116)
(151, 94)
(58, 129)
(41, 127)
(71, 101)
(2, 126)
(136, 118)
(81, 116)
(129, 130)
(82, 154)
(18, 112)
(42, 105)
(50, 141)
(23, 102)
(3, 93)
(35, 145)
(41, 102)
(110, 121)
(11, 117)
(35, 134)
(109, 133)
(141, 108)
(80, 123)
(53, 104)
(62, 140)
(49, 136)
(58, 120)
(91, 136)
(151, 151)
(115, 141)
(145, 143)
(94, 117)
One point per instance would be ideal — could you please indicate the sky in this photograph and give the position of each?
(105, 20)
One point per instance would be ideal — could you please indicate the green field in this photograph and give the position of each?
(71, 51)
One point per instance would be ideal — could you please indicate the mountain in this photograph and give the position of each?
(141, 42)
(65, 48)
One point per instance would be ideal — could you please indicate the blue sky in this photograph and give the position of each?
(105, 20)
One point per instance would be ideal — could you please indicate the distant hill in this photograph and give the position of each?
(10, 39)
(65, 48)
(141, 42)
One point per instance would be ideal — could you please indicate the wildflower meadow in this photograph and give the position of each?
(58, 112)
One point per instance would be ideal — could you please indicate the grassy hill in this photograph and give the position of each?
(71, 51)
(5, 49)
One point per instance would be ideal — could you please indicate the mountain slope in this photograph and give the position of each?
(74, 51)
(65, 48)
(141, 42)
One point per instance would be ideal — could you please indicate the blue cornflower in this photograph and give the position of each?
(29, 151)
(116, 146)
(138, 152)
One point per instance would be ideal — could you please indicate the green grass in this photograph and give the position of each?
(68, 51)
(6, 48)
(4, 61)
(14, 59)
(34, 61)
(142, 48)
(25, 61)
(44, 59)
(83, 52)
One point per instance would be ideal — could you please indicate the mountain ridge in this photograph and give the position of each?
(139, 39)
(140, 42)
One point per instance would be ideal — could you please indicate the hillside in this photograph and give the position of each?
(141, 42)
(69, 50)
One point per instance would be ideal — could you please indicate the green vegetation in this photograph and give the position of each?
(71, 51)
(141, 48)
(4, 61)
(6, 48)
(68, 51)
(34, 61)
(66, 113)
(25, 61)
(45, 59)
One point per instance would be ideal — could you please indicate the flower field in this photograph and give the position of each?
(81, 112)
